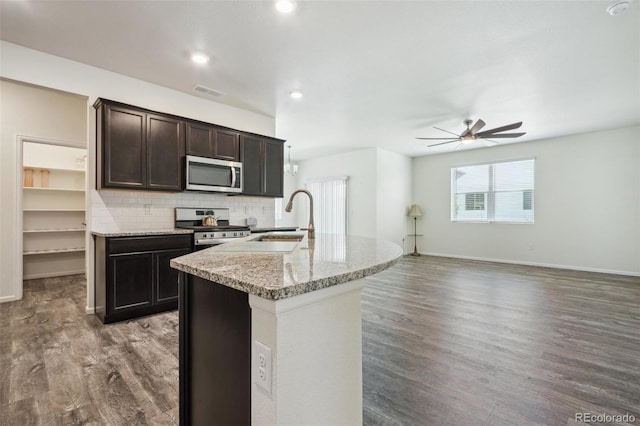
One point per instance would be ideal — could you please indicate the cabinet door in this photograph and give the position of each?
(123, 149)
(130, 283)
(273, 168)
(166, 280)
(165, 152)
(199, 140)
(252, 166)
(227, 146)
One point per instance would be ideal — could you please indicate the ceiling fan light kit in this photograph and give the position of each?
(472, 133)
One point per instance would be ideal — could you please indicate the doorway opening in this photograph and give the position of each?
(53, 202)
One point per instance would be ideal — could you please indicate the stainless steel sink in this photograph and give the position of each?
(279, 238)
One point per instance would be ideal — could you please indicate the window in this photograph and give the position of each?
(330, 204)
(496, 192)
(474, 201)
(330, 214)
(527, 200)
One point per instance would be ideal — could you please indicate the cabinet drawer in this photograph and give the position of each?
(148, 243)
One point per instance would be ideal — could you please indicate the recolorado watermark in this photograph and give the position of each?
(605, 418)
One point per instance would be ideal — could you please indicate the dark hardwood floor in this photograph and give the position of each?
(461, 342)
(59, 366)
(445, 342)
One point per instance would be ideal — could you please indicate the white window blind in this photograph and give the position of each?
(496, 192)
(330, 204)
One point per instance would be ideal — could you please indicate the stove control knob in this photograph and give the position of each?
(224, 234)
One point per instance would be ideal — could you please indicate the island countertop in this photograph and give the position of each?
(314, 264)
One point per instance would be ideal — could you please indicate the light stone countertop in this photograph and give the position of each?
(329, 260)
(136, 233)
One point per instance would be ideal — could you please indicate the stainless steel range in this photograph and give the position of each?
(211, 226)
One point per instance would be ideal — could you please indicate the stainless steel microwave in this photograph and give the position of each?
(209, 174)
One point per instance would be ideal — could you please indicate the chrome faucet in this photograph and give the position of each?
(311, 232)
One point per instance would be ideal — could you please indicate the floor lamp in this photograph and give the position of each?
(415, 213)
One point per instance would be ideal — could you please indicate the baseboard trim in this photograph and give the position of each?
(90, 310)
(4, 299)
(53, 274)
(542, 265)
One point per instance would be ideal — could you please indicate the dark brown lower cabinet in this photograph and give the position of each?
(215, 354)
(133, 276)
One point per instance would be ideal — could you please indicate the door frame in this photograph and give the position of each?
(18, 235)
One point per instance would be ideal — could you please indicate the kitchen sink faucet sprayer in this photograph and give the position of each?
(311, 232)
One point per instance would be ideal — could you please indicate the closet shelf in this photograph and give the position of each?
(53, 210)
(33, 231)
(55, 169)
(66, 250)
(39, 188)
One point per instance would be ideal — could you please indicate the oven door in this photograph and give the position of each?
(209, 174)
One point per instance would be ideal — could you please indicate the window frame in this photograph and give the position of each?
(490, 195)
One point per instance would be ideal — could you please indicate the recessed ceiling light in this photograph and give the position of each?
(199, 58)
(618, 8)
(295, 94)
(285, 6)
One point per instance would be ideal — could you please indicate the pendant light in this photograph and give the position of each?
(290, 169)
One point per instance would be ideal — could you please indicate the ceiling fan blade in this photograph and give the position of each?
(437, 139)
(502, 135)
(451, 133)
(443, 143)
(500, 129)
(479, 125)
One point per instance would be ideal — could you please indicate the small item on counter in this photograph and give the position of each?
(252, 222)
(44, 178)
(210, 221)
(28, 178)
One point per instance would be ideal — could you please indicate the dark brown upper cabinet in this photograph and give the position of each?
(143, 149)
(137, 148)
(204, 140)
(262, 166)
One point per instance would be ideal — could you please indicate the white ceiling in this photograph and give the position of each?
(373, 73)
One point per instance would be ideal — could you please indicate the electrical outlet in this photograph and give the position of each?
(262, 364)
(147, 209)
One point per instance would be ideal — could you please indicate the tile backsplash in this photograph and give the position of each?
(115, 210)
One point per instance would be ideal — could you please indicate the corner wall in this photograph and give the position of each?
(393, 198)
(27, 110)
(378, 194)
(587, 205)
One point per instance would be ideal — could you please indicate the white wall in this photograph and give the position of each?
(360, 166)
(30, 66)
(393, 197)
(27, 110)
(587, 204)
(378, 194)
(290, 184)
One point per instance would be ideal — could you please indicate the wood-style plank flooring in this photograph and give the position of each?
(445, 342)
(461, 342)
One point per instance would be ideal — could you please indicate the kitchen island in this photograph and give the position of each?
(275, 337)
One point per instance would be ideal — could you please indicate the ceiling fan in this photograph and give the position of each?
(472, 133)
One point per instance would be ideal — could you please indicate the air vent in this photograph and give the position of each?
(207, 91)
